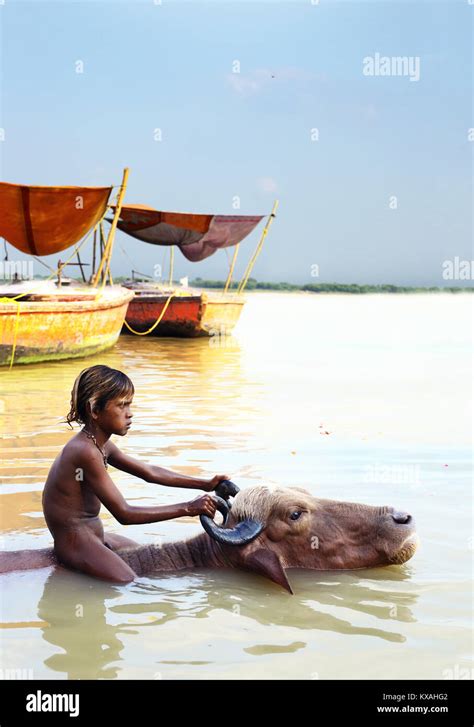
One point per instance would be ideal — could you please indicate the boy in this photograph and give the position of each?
(78, 481)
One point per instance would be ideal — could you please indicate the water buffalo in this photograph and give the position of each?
(267, 530)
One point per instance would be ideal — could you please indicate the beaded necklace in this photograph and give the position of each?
(91, 436)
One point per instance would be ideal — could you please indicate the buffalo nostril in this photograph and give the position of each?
(401, 517)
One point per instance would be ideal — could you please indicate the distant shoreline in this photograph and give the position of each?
(255, 285)
(353, 288)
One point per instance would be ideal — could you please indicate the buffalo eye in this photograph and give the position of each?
(295, 515)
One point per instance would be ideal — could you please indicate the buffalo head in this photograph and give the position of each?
(271, 528)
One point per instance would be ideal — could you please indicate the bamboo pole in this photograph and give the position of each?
(258, 249)
(106, 257)
(80, 265)
(59, 271)
(102, 238)
(107, 272)
(102, 241)
(171, 264)
(232, 266)
(94, 250)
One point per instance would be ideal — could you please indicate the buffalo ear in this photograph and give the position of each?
(267, 563)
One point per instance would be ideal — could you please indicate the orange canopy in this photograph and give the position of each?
(46, 220)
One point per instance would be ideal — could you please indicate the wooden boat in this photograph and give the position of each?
(187, 312)
(190, 313)
(51, 320)
(48, 325)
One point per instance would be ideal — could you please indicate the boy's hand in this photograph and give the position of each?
(215, 481)
(202, 505)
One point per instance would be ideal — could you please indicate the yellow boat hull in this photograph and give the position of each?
(48, 328)
(220, 313)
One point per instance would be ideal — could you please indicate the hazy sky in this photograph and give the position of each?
(380, 192)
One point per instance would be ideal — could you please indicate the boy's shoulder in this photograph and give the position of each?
(80, 447)
(75, 442)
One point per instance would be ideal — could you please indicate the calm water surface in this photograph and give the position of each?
(364, 398)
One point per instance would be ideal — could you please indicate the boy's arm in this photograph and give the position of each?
(158, 475)
(101, 484)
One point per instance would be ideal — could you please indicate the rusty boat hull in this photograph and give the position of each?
(189, 314)
(50, 325)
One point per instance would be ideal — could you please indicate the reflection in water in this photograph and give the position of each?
(77, 624)
(78, 613)
(262, 649)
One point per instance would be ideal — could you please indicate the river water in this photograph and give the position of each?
(364, 398)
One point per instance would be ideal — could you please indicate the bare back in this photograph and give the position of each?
(68, 502)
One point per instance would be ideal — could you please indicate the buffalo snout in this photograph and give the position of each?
(401, 517)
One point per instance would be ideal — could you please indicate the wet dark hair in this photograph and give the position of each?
(93, 388)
